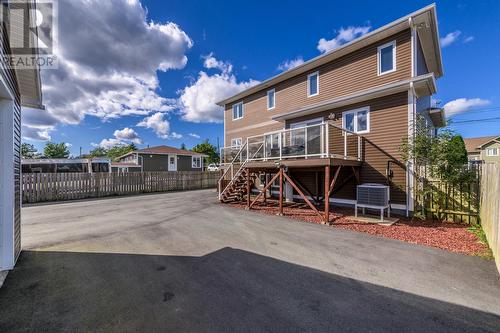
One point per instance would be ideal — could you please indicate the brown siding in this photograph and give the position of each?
(388, 126)
(346, 75)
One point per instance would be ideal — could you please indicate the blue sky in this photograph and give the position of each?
(235, 44)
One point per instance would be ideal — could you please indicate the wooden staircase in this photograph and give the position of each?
(237, 189)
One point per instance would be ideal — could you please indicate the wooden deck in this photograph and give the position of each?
(301, 163)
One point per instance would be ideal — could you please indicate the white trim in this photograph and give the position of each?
(410, 172)
(7, 194)
(491, 149)
(224, 138)
(242, 110)
(356, 111)
(379, 63)
(193, 158)
(305, 123)
(168, 162)
(414, 48)
(274, 99)
(309, 85)
(236, 139)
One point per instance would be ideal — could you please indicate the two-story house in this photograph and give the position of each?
(483, 149)
(338, 120)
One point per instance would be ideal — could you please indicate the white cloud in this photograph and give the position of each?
(450, 38)
(344, 35)
(69, 145)
(197, 101)
(462, 105)
(175, 136)
(109, 143)
(468, 39)
(37, 124)
(128, 134)
(211, 62)
(112, 72)
(157, 123)
(194, 135)
(289, 64)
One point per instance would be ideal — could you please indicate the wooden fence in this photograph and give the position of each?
(42, 187)
(490, 207)
(443, 201)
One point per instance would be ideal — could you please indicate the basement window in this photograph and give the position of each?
(357, 121)
(236, 142)
(386, 55)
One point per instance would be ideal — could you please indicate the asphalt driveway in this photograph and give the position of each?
(183, 262)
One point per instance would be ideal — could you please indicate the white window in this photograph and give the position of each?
(357, 121)
(492, 152)
(386, 58)
(236, 142)
(238, 111)
(271, 99)
(196, 162)
(313, 84)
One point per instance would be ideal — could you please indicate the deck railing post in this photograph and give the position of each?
(280, 143)
(305, 141)
(345, 145)
(281, 192)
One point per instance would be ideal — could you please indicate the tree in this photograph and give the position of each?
(114, 152)
(183, 146)
(56, 150)
(29, 151)
(208, 149)
(98, 152)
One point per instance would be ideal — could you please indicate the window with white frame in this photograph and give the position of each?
(271, 94)
(357, 121)
(386, 58)
(236, 142)
(492, 152)
(238, 111)
(196, 162)
(313, 84)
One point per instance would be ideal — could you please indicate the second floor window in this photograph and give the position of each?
(313, 84)
(357, 121)
(238, 111)
(492, 152)
(386, 58)
(271, 99)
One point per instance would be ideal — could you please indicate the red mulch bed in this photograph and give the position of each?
(452, 237)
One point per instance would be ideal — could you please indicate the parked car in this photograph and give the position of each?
(213, 167)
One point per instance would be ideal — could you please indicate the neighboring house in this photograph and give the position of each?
(339, 119)
(18, 88)
(160, 158)
(484, 149)
(65, 165)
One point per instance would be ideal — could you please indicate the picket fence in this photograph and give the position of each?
(43, 187)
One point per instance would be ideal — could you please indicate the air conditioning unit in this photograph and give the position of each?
(374, 196)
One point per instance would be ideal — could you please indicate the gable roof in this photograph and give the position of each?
(425, 21)
(473, 145)
(164, 150)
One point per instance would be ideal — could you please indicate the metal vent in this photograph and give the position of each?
(373, 195)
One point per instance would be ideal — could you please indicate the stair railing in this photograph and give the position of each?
(238, 156)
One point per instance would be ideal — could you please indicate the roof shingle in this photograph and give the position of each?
(472, 144)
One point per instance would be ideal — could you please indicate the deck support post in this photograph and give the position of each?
(265, 182)
(248, 188)
(287, 177)
(268, 185)
(327, 194)
(281, 192)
